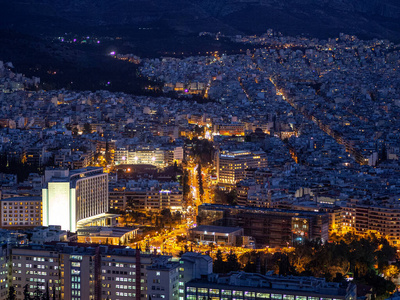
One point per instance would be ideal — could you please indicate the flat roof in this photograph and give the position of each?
(223, 207)
(219, 229)
(33, 198)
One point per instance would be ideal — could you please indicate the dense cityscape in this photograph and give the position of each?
(271, 173)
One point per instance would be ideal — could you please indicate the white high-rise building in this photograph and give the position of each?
(70, 196)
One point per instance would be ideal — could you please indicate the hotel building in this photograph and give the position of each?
(70, 196)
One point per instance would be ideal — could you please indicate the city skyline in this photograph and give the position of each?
(196, 154)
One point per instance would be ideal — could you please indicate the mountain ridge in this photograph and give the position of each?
(320, 18)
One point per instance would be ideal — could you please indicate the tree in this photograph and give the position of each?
(54, 292)
(46, 295)
(26, 293)
(391, 271)
(178, 217)
(219, 264)
(37, 294)
(282, 264)
(185, 184)
(87, 128)
(11, 293)
(385, 254)
(232, 197)
(166, 216)
(199, 130)
(232, 262)
(200, 180)
(302, 256)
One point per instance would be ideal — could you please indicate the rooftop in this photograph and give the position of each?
(218, 229)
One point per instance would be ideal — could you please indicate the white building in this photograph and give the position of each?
(72, 196)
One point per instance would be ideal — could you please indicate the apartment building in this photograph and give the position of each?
(232, 165)
(79, 271)
(21, 212)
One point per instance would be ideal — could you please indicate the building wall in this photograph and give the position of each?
(67, 200)
(361, 219)
(147, 199)
(56, 199)
(35, 268)
(163, 282)
(77, 272)
(21, 212)
(91, 196)
(269, 227)
(231, 166)
(124, 277)
(78, 276)
(4, 275)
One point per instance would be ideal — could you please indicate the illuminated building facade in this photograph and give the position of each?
(146, 199)
(230, 129)
(147, 157)
(268, 226)
(360, 218)
(35, 267)
(21, 212)
(147, 195)
(77, 271)
(72, 196)
(241, 285)
(232, 165)
(144, 156)
(217, 235)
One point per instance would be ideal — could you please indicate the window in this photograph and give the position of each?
(276, 296)
(262, 295)
(289, 297)
(249, 294)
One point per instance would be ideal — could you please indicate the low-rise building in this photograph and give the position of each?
(241, 285)
(217, 235)
(107, 235)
